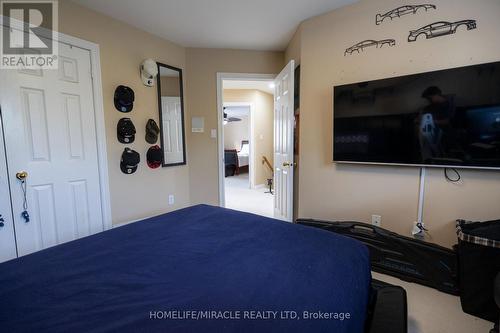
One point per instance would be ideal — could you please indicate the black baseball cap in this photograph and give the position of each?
(154, 157)
(130, 161)
(125, 130)
(152, 131)
(124, 99)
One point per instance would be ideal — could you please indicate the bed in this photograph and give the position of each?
(244, 154)
(237, 162)
(199, 269)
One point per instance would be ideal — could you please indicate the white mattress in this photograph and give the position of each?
(243, 155)
(243, 159)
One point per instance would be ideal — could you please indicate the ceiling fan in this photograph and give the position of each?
(228, 119)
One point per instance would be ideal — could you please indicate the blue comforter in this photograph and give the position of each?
(200, 269)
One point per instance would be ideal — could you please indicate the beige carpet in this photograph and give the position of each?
(239, 196)
(431, 311)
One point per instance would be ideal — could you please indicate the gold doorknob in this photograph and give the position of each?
(288, 164)
(22, 175)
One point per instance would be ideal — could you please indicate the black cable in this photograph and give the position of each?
(25, 199)
(452, 180)
(25, 215)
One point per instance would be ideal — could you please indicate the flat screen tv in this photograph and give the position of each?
(446, 118)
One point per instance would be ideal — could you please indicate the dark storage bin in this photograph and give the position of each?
(478, 265)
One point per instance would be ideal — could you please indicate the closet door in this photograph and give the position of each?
(50, 133)
(7, 238)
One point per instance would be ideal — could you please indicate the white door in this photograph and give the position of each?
(283, 143)
(50, 133)
(7, 237)
(172, 130)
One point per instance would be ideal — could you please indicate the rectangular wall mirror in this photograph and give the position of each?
(171, 107)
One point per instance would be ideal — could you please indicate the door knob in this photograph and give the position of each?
(22, 175)
(288, 164)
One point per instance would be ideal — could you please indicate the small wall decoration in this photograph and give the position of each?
(361, 46)
(441, 29)
(401, 11)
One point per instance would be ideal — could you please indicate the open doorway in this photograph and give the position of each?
(272, 103)
(248, 139)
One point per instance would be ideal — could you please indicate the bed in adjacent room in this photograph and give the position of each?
(199, 269)
(244, 155)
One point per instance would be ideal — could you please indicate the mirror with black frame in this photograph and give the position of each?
(171, 107)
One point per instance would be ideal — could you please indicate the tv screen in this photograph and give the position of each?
(447, 118)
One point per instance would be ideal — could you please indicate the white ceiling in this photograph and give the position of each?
(264, 86)
(235, 24)
(237, 111)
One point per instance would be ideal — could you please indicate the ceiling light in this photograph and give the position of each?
(272, 85)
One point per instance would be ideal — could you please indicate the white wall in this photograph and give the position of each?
(235, 132)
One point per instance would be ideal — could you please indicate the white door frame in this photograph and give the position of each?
(251, 118)
(221, 77)
(95, 62)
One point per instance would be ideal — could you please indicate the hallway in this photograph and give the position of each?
(239, 196)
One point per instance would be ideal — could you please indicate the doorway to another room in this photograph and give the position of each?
(248, 134)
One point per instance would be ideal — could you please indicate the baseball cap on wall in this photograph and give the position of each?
(152, 131)
(125, 130)
(124, 99)
(154, 157)
(130, 161)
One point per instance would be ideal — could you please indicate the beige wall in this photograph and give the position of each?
(202, 67)
(123, 48)
(263, 133)
(294, 48)
(235, 132)
(345, 192)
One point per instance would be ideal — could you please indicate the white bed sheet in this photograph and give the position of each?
(243, 160)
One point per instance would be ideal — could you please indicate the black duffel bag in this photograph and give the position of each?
(478, 265)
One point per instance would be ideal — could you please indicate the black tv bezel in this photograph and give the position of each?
(423, 165)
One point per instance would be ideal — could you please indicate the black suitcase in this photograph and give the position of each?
(403, 257)
(479, 264)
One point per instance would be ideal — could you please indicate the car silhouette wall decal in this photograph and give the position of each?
(441, 29)
(401, 11)
(361, 46)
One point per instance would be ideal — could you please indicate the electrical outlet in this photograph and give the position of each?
(376, 220)
(171, 199)
(417, 231)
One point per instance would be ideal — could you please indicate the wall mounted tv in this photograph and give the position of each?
(447, 118)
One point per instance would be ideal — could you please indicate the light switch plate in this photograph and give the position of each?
(213, 134)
